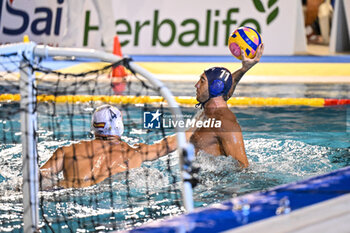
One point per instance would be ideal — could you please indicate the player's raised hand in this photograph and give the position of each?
(248, 63)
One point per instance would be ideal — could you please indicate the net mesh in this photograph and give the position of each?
(124, 200)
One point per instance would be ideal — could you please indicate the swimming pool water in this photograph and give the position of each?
(283, 144)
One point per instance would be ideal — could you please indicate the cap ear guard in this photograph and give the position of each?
(216, 88)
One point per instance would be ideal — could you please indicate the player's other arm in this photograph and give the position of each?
(161, 147)
(158, 149)
(48, 172)
(233, 145)
(54, 165)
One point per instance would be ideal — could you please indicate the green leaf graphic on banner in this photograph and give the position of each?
(258, 5)
(272, 16)
(271, 2)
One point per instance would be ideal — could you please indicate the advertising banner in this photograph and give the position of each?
(196, 27)
(43, 21)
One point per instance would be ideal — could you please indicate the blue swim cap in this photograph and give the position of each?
(219, 81)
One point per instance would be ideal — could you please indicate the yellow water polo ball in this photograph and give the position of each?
(246, 39)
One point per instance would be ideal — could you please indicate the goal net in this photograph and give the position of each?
(47, 104)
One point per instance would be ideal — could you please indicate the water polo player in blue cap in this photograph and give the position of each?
(214, 87)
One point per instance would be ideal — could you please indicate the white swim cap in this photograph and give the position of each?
(107, 120)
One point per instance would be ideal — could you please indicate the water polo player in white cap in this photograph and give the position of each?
(89, 162)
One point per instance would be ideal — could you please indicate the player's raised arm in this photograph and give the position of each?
(247, 64)
(158, 149)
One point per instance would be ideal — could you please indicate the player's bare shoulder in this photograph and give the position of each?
(225, 114)
(228, 120)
